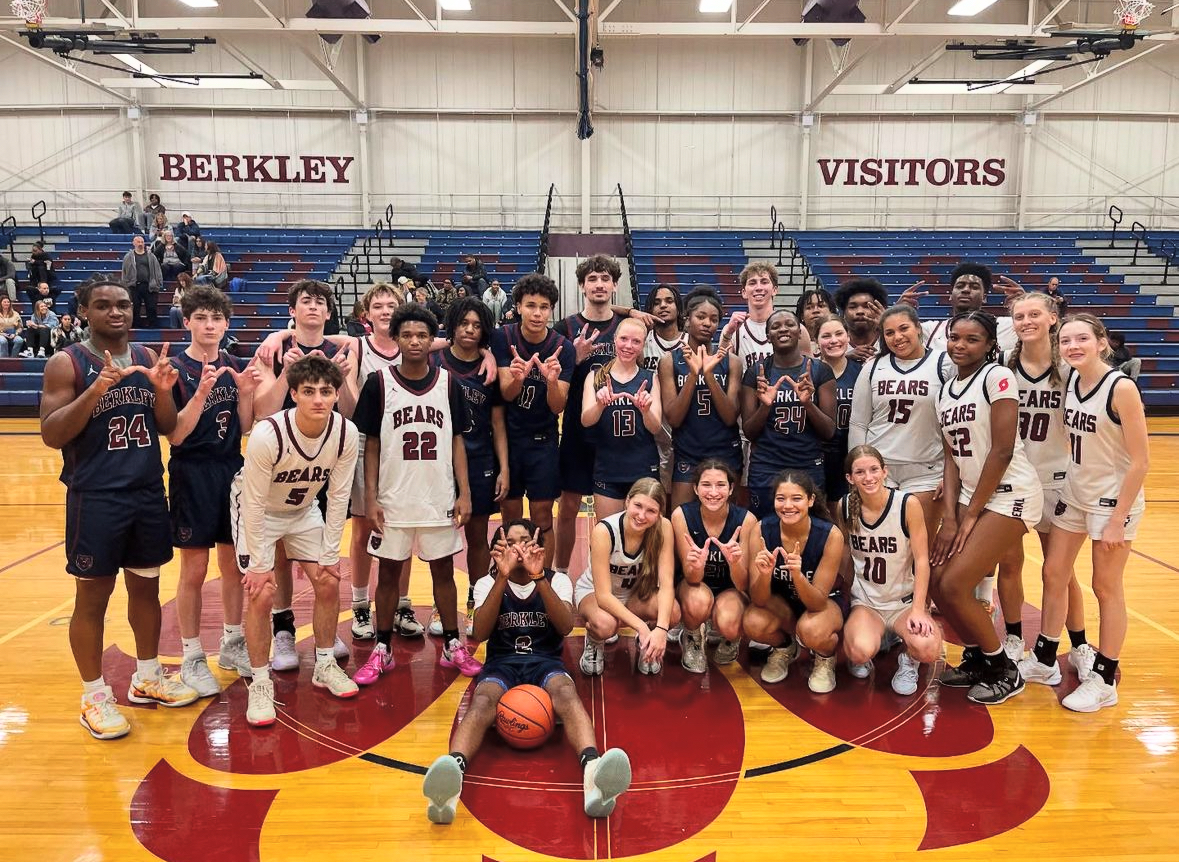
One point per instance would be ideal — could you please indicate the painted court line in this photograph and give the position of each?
(49, 614)
(44, 550)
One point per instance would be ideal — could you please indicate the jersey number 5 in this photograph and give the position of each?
(419, 447)
(121, 433)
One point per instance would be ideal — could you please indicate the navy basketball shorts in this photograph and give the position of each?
(481, 475)
(684, 469)
(198, 496)
(613, 490)
(513, 670)
(111, 530)
(532, 468)
(577, 462)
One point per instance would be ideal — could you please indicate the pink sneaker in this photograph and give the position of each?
(379, 662)
(455, 654)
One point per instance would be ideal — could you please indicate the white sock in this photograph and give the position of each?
(276, 611)
(404, 602)
(261, 674)
(564, 571)
(359, 594)
(323, 656)
(94, 685)
(191, 647)
(149, 668)
(232, 631)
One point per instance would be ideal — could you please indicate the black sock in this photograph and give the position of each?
(587, 754)
(283, 622)
(471, 596)
(449, 635)
(971, 654)
(995, 662)
(1105, 667)
(1015, 628)
(462, 760)
(1045, 650)
(1076, 638)
(385, 638)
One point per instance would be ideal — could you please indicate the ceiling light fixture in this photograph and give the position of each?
(200, 4)
(715, 7)
(967, 8)
(455, 5)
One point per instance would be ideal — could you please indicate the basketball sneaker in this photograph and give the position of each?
(195, 673)
(726, 651)
(101, 716)
(362, 621)
(407, 624)
(904, 681)
(1033, 670)
(860, 671)
(1082, 658)
(649, 668)
(995, 689)
(340, 650)
(675, 633)
(234, 656)
(166, 690)
(604, 780)
(379, 662)
(965, 675)
(455, 655)
(1014, 647)
(888, 640)
(1091, 695)
(593, 657)
(443, 785)
(692, 656)
(778, 663)
(435, 627)
(613, 639)
(822, 678)
(329, 675)
(285, 657)
(470, 624)
(712, 636)
(260, 708)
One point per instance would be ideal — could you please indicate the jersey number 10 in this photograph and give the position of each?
(874, 570)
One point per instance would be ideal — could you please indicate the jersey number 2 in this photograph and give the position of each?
(419, 447)
(121, 433)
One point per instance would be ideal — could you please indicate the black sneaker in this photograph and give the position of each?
(407, 624)
(965, 675)
(362, 621)
(996, 689)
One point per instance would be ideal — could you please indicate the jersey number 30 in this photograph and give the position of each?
(419, 447)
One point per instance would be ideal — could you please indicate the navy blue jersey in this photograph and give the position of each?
(703, 434)
(120, 446)
(845, 383)
(327, 348)
(528, 413)
(481, 398)
(632, 452)
(812, 554)
(788, 440)
(523, 627)
(603, 352)
(218, 432)
(716, 568)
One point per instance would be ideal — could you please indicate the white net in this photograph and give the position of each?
(330, 51)
(33, 11)
(1129, 13)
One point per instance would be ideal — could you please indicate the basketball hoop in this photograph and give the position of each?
(1130, 13)
(33, 11)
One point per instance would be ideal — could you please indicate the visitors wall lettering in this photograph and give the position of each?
(913, 172)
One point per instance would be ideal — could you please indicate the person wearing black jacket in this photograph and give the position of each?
(186, 230)
(173, 257)
(474, 276)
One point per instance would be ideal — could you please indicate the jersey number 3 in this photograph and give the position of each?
(419, 447)
(121, 433)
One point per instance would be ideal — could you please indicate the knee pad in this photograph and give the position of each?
(152, 573)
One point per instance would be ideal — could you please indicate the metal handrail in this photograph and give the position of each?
(630, 249)
(1169, 249)
(1138, 231)
(38, 211)
(542, 251)
(1117, 220)
(8, 232)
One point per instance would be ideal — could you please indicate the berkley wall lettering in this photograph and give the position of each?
(207, 168)
(913, 172)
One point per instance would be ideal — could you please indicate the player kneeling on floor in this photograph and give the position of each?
(524, 612)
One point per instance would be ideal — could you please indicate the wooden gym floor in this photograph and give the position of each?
(725, 769)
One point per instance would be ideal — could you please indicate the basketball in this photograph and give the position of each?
(524, 716)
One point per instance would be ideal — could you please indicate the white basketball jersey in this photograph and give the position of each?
(655, 347)
(370, 359)
(1041, 423)
(751, 342)
(416, 478)
(1098, 456)
(965, 412)
(882, 556)
(903, 424)
(624, 569)
(302, 465)
(935, 333)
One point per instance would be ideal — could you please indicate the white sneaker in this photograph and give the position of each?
(822, 678)
(435, 627)
(1014, 647)
(613, 639)
(101, 717)
(329, 675)
(650, 668)
(1032, 670)
(726, 651)
(260, 709)
(675, 633)
(904, 681)
(604, 780)
(362, 621)
(778, 664)
(285, 657)
(340, 650)
(407, 624)
(1082, 658)
(443, 786)
(860, 671)
(692, 656)
(27, 353)
(195, 673)
(233, 656)
(593, 657)
(1091, 695)
(41, 353)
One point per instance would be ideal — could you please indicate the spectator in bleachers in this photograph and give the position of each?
(42, 278)
(38, 331)
(213, 269)
(1054, 291)
(183, 285)
(1120, 356)
(142, 278)
(198, 247)
(399, 269)
(474, 276)
(11, 342)
(129, 218)
(172, 256)
(422, 297)
(447, 294)
(461, 292)
(186, 230)
(66, 332)
(357, 324)
(8, 276)
(496, 300)
(159, 227)
(153, 209)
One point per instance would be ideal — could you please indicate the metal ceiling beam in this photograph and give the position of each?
(269, 14)
(111, 8)
(419, 13)
(61, 67)
(606, 13)
(565, 9)
(839, 76)
(1109, 70)
(917, 68)
(1051, 15)
(312, 54)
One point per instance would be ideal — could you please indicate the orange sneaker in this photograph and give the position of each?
(101, 716)
(165, 690)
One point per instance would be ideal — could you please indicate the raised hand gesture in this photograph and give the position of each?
(912, 295)
(1011, 288)
(584, 342)
(734, 323)
(764, 562)
(520, 367)
(163, 375)
(642, 399)
(767, 393)
(804, 387)
(109, 376)
(293, 354)
(346, 362)
(248, 378)
(730, 550)
(532, 556)
(697, 556)
(606, 396)
(550, 369)
(500, 557)
(793, 560)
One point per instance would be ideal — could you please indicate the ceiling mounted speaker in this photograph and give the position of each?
(832, 12)
(355, 10)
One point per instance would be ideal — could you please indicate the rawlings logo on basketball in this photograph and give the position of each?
(513, 725)
(84, 562)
